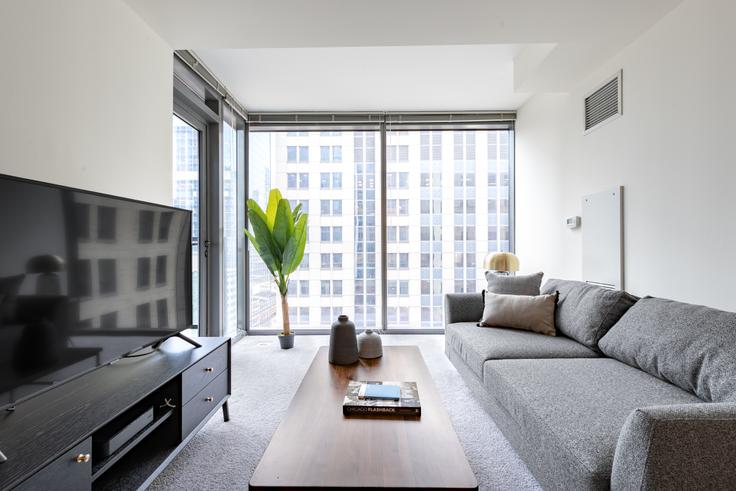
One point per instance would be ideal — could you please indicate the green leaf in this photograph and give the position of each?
(294, 252)
(283, 227)
(253, 206)
(289, 254)
(274, 198)
(296, 212)
(263, 243)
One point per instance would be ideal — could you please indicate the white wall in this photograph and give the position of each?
(87, 97)
(672, 151)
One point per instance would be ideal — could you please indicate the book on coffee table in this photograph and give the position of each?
(379, 391)
(407, 404)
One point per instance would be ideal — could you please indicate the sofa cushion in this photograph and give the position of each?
(531, 313)
(575, 408)
(514, 285)
(691, 346)
(586, 312)
(476, 344)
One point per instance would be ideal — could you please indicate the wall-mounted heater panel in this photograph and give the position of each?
(603, 238)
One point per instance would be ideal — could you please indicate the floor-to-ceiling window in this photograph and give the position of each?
(438, 212)
(334, 175)
(447, 201)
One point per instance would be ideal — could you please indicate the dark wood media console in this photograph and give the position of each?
(50, 440)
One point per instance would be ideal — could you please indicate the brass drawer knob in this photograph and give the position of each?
(82, 458)
(209, 399)
(208, 369)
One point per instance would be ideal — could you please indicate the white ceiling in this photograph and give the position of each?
(400, 78)
(399, 54)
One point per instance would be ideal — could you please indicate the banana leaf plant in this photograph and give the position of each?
(279, 235)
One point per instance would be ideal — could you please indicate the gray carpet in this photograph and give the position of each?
(224, 455)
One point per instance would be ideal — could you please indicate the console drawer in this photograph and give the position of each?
(70, 472)
(196, 377)
(201, 404)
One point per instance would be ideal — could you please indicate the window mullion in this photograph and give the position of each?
(382, 227)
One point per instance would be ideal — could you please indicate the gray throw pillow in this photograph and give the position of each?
(586, 312)
(528, 312)
(514, 285)
(690, 346)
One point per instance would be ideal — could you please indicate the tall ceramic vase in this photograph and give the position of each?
(343, 342)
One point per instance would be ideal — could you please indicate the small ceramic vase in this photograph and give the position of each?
(369, 344)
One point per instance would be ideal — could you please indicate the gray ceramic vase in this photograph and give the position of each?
(343, 343)
(370, 345)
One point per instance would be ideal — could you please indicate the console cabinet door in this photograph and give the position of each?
(70, 472)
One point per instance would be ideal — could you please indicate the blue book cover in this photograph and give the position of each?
(381, 391)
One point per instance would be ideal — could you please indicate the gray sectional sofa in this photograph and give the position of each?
(629, 394)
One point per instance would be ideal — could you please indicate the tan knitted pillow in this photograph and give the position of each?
(531, 313)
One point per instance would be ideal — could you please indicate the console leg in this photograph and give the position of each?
(225, 412)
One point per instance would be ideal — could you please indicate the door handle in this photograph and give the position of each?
(207, 244)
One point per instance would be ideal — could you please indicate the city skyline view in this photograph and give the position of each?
(436, 238)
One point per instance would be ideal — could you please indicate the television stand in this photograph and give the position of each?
(52, 441)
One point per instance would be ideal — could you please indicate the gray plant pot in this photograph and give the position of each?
(286, 342)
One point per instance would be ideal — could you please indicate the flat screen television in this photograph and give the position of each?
(85, 278)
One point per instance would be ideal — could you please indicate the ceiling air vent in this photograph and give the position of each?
(604, 103)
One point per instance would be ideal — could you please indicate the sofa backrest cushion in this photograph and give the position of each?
(514, 285)
(586, 312)
(691, 346)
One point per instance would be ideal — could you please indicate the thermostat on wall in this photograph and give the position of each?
(573, 222)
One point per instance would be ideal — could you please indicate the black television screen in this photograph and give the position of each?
(85, 278)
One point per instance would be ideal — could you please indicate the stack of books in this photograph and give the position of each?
(381, 398)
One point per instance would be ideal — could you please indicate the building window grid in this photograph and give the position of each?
(365, 208)
(297, 154)
(499, 172)
(330, 154)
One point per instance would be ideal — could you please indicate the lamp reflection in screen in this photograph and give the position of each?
(47, 267)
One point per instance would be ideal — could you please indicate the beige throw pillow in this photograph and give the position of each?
(531, 313)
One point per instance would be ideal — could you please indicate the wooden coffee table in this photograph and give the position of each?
(316, 446)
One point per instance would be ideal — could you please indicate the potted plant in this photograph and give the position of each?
(279, 235)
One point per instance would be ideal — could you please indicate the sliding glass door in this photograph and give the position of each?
(211, 184)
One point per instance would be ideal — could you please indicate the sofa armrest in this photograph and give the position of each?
(463, 307)
(684, 446)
